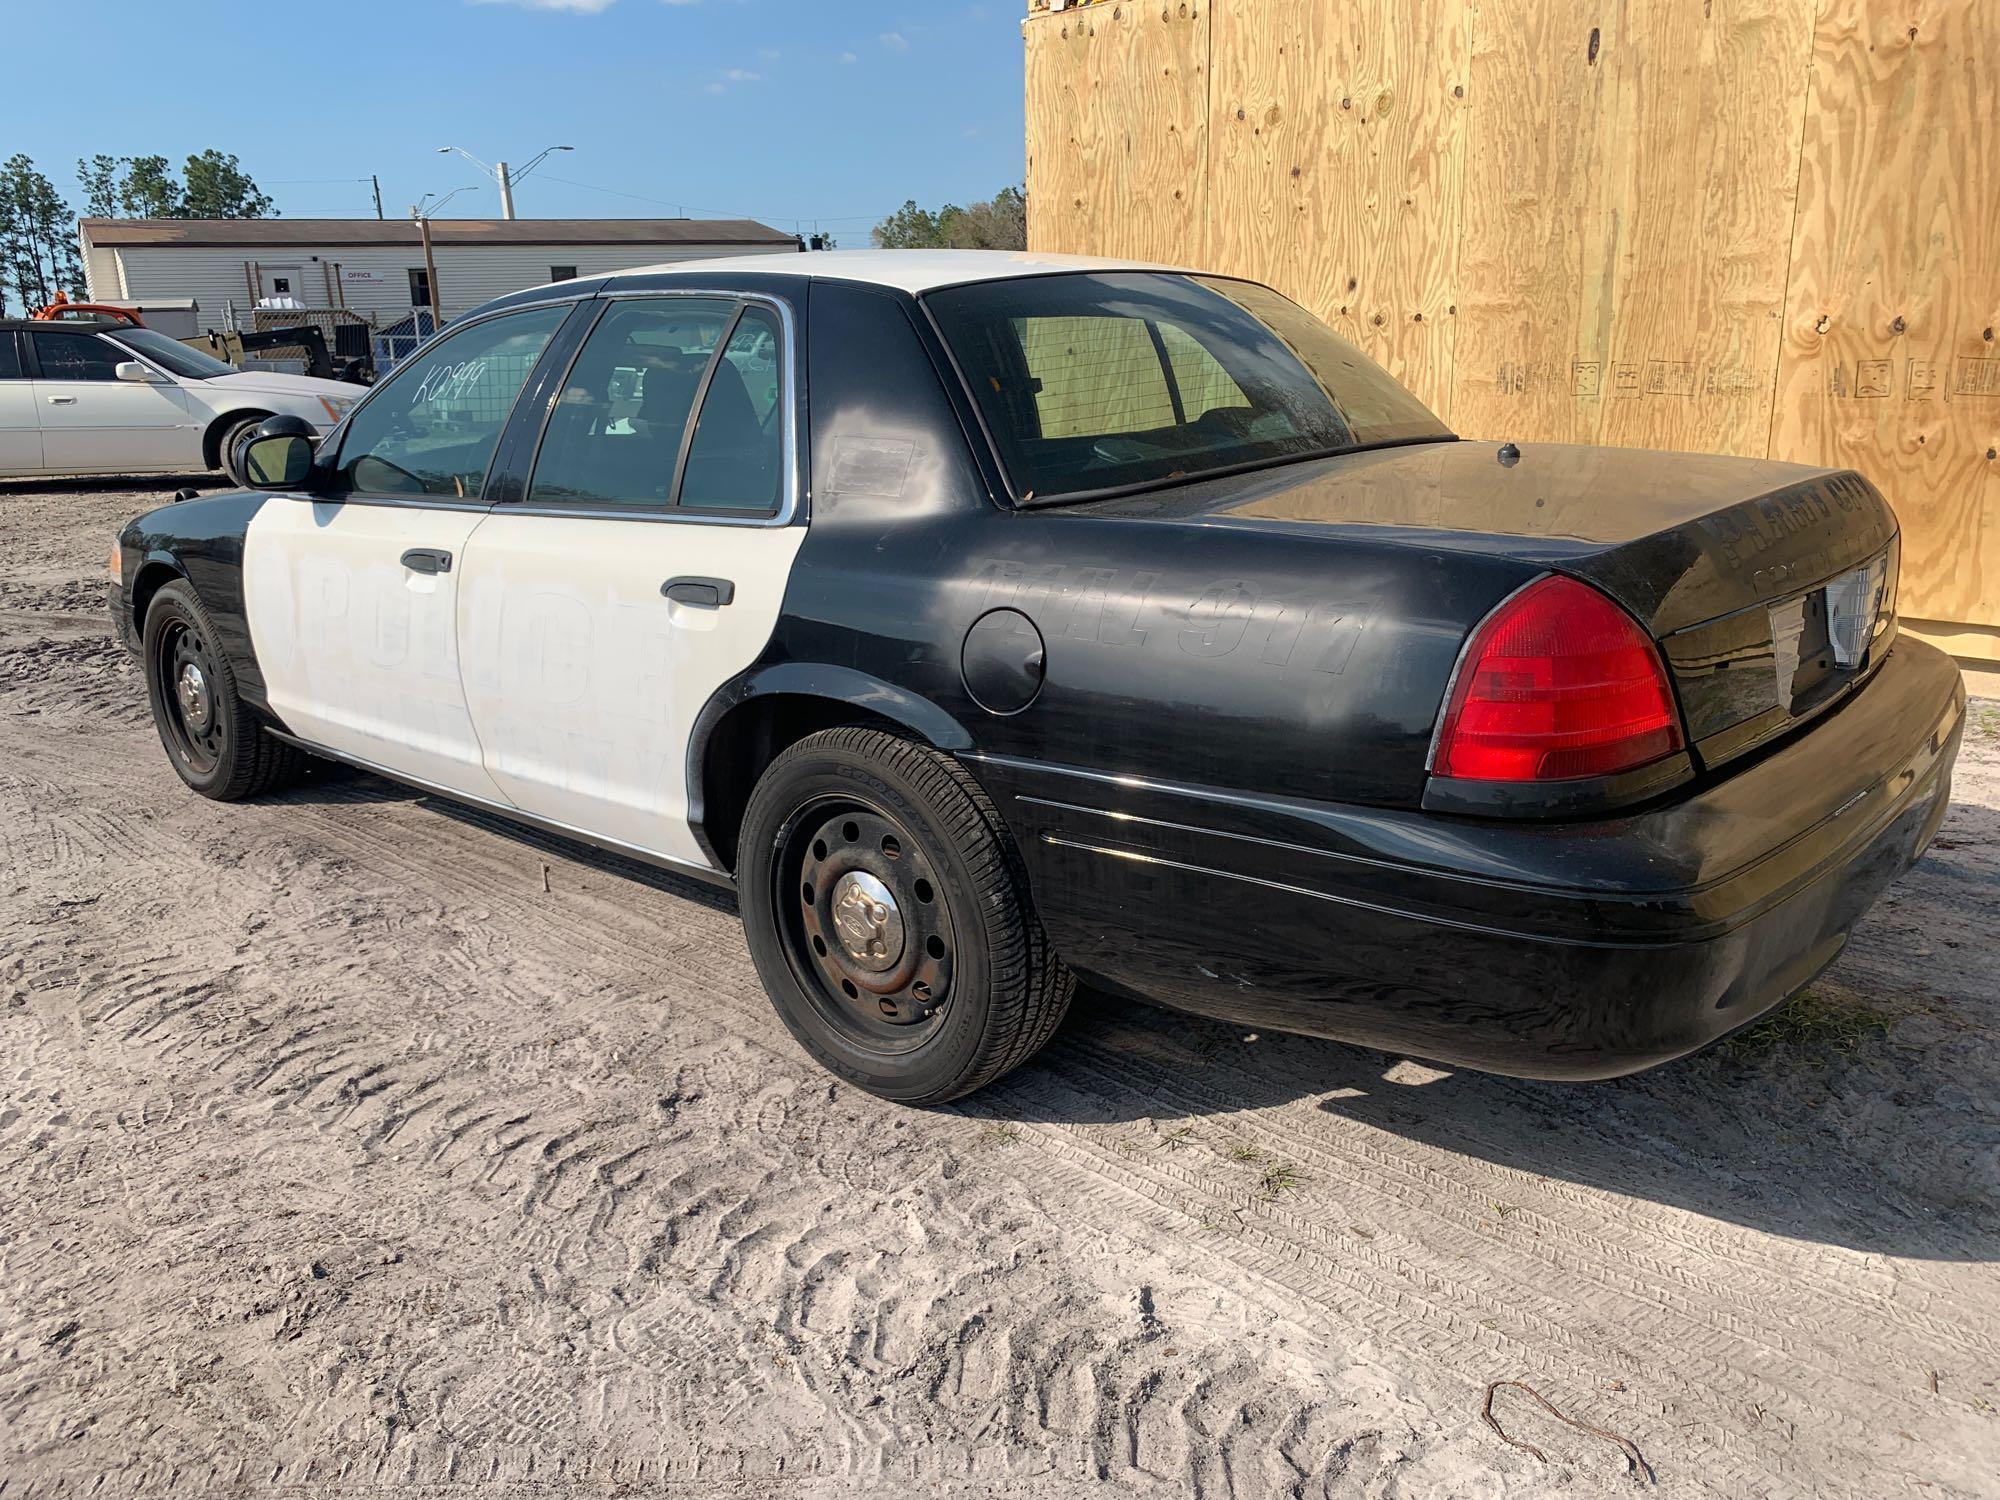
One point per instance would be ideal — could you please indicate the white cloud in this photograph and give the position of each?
(767, 54)
(740, 75)
(575, 7)
(680, 2)
(894, 41)
(848, 57)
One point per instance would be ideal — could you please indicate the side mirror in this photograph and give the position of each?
(277, 463)
(131, 370)
(279, 455)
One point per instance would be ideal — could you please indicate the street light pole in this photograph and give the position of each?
(501, 175)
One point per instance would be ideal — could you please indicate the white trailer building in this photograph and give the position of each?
(375, 267)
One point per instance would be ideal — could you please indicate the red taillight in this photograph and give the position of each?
(1558, 683)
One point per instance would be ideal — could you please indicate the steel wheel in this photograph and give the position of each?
(188, 678)
(889, 917)
(867, 930)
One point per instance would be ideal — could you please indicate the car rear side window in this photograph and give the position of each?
(432, 428)
(75, 356)
(10, 357)
(1101, 382)
(614, 437)
(736, 457)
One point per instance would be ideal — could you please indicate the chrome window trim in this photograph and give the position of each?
(393, 502)
(790, 502)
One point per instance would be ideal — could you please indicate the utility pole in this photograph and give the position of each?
(431, 274)
(377, 181)
(506, 191)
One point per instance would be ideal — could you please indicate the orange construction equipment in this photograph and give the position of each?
(62, 309)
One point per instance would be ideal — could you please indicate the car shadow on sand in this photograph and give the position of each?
(1864, 1116)
(94, 484)
(1865, 1113)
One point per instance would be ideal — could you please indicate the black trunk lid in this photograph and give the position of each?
(1769, 586)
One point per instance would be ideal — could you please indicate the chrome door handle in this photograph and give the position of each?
(62, 400)
(427, 560)
(710, 593)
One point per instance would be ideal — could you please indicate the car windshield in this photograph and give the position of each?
(1103, 382)
(171, 354)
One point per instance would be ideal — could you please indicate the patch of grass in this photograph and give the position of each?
(1812, 1021)
(1278, 1179)
(999, 1135)
(1182, 1137)
(1985, 723)
(1241, 1152)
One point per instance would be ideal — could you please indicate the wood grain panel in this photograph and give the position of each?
(1628, 210)
(1892, 334)
(1117, 99)
(1336, 146)
(1735, 226)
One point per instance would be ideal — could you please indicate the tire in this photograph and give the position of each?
(226, 450)
(933, 994)
(213, 739)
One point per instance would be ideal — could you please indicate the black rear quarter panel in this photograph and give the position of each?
(1255, 660)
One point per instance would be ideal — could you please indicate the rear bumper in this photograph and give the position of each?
(1568, 950)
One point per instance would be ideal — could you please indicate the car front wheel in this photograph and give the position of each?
(215, 741)
(890, 921)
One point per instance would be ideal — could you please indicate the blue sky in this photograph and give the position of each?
(783, 110)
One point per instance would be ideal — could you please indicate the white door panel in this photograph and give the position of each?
(20, 428)
(116, 426)
(584, 681)
(360, 653)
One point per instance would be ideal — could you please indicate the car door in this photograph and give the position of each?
(352, 593)
(94, 423)
(644, 567)
(20, 428)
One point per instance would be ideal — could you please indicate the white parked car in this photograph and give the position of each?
(107, 399)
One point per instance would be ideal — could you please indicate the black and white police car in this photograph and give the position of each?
(991, 620)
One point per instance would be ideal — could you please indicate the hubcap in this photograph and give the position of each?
(192, 690)
(183, 692)
(869, 933)
(867, 921)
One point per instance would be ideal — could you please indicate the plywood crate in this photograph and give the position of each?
(1737, 226)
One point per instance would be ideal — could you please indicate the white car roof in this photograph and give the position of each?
(906, 270)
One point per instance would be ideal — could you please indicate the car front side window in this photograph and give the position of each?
(431, 429)
(76, 356)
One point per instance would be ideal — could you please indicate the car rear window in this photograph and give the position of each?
(1100, 382)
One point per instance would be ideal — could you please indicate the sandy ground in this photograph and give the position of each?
(341, 1159)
